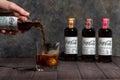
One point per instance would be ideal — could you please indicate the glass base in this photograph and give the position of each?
(45, 68)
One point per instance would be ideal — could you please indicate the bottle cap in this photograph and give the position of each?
(71, 19)
(71, 22)
(105, 19)
(88, 23)
(105, 23)
(88, 19)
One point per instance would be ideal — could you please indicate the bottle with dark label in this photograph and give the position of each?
(105, 42)
(11, 25)
(88, 42)
(71, 41)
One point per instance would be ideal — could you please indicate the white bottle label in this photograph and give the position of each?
(105, 46)
(71, 45)
(88, 46)
(8, 21)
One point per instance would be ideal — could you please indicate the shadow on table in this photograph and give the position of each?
(19, 68)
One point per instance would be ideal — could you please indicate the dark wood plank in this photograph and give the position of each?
(89, 70)
(25, 62)
(68, 71)
(6, 68)
(24, 69)
(14, 63)
(4, 74)
(116, 60)
(35, 75)
(7, 62)
(22, 75)
(45, 75)
(16, 69)
(110, 70)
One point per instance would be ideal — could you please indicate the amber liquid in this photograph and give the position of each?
(46, 60)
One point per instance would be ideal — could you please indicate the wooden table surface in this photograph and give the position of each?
(22, 69)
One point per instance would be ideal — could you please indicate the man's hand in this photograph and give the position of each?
(13, 9)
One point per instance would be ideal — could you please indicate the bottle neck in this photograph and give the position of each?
(29, 24)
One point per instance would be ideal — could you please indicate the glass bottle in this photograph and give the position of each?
(71, 41)
(105, 42)
(88, 41)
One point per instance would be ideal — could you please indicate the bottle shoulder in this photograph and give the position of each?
(70, 32)
(88, 30)
(70, 29)
(105, 30)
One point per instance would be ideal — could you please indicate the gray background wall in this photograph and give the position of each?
(54, 14)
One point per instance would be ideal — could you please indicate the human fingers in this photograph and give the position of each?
(13, 7)
(22, 19)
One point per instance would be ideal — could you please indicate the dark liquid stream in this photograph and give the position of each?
(43, 37)
(23, 27)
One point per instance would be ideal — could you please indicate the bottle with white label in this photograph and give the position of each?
(71, 41)
(105, 42)
(11, 25)
(88, 42)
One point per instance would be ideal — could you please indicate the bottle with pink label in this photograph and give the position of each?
(105, 42)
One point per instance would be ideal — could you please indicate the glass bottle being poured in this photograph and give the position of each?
(10, 25)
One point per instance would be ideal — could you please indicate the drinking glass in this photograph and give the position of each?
(47, 56)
